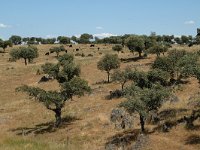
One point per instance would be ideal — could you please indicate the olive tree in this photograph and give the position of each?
(135, 43)
(15, 39)
(107, 63)
(26, 53)
(158, 48)
(85, 38)
(5, 44)
(70, 84)
(178, 63)
(63, 40)
(122, 76)
(57, 50)
(144, 100)
(117, 48)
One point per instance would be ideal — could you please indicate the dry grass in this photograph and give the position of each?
(92, 127)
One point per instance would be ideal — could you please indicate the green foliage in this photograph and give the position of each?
(63, 40)
(140, 79)
(57, 50)
(117, 48)
(107, 63)
(122, 76)
(178, 63)
(51, 99)
(5, 44)
(178, 40)
(158, 76)
(85, 38)
(16, 40)
(158, 48)
(197, 40)
(66, 72)
(113, 40)
(75, 86)
(184, 39)
(144, 100)
(74, 38)
(65, 59)
(48, 41)
(50, 69)
(135, 43)
(27, 53)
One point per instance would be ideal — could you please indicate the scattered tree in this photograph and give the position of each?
(158, 48)
(135, 43)
(85, 38)
(107, 63)
(144, 100)
(122, 76)
(63, 40)
(5, 44)
(117, 48)
(57, 50)
(55, 100)
(16, 40)
(27, 53)
(178, 63)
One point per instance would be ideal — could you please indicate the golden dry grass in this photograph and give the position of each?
(91, 127)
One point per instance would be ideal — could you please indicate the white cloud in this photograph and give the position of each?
(4, 26)
(78, 35)
(51, 36)
(99, 28)
(190, 22)
(103, 35)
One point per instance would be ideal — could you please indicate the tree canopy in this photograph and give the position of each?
(107, 63)
(135, 43)
(57, 50)
(70, 84)
(26, 53)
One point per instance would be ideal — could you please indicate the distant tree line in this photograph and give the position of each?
(86, 38)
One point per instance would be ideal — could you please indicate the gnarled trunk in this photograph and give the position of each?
(140, 54)
(58, 117)
(25, 60)
(108, 76)
(142, 123)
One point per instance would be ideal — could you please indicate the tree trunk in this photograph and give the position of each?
(140, 54)
(25, 61)
(123, 85)
(108, 76)
(57, 54)
(142, 123)
(58, 117)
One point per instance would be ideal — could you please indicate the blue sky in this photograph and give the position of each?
(50, 18)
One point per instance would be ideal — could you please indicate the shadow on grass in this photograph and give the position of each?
(127, 140)
(43, 128)
(123, 139)
(193, 140)
(133, 59)
(171, 113)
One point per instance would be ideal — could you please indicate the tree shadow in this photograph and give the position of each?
(43, 128)
(123, 139)
(133, 59)
(193, 140)
(101, 82)
(171, 113)
(127, 140)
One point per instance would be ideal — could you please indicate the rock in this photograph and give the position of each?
(121, 119)
(174, 99)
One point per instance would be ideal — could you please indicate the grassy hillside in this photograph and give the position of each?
(26, 124)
